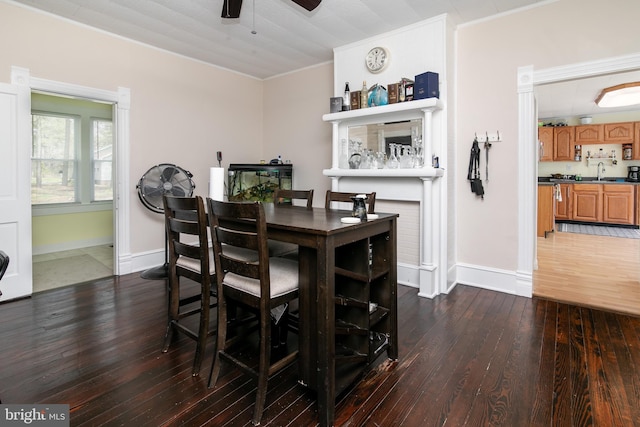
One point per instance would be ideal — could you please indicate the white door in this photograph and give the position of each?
(15, 191)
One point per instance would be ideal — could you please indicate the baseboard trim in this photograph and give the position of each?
(494, 279)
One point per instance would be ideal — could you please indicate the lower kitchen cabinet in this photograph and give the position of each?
(563, 207)
(587, 203)
(545, 210)
(618, 204)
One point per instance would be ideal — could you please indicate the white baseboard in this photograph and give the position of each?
(494, 279)
(408, 275)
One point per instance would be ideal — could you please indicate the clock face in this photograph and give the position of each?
(377, 59)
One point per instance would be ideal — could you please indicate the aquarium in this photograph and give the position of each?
(253, 182)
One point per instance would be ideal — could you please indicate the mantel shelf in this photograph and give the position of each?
(385, 110)
(386, 173)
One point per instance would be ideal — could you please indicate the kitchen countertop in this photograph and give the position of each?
(585, 180)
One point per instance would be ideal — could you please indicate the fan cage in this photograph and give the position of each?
(165, 178)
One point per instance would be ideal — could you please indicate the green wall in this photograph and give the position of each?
(62, 230)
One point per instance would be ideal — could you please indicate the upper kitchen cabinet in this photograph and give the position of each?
(589, 134)
(563, 140)
(618, 132)
(545, 138)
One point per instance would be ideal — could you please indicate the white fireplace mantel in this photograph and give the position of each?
(420, 185)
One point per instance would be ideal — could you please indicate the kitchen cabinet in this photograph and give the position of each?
(589, 134)
(563, 140)
(545, 138)
(586, 202)
(563, 207)
(637, 190)
(545, 210)
(621, 133)
(618, 203)
(636, 141)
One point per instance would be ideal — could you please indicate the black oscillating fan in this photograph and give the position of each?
(162, 179)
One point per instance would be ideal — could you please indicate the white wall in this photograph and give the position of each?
(182, 111)
(293, 107)
(489, 53)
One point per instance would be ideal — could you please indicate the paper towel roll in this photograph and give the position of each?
(216, 184)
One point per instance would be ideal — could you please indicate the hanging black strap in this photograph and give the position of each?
(474, 160)
(473, 175)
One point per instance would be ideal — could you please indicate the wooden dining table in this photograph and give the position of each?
(320, 234)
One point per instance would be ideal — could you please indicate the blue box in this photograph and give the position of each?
(426, 86)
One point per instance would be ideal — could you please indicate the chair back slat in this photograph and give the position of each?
(187, 216)
(235, 228)
(286, 197)
(342, 197)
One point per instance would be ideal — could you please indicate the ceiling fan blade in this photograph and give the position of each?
(231, 8)
(308, 4)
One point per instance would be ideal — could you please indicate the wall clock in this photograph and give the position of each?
(377, 59)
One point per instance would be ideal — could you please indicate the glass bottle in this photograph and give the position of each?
(392, 162)
(364, 95)
(346, 99)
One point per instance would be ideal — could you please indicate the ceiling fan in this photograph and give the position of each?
(231, 8)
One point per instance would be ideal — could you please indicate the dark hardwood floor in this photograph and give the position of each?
(473, 357)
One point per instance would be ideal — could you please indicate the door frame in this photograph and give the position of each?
(528, 78)
(121, 99)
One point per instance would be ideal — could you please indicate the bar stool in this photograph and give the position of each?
(258, 286)
(186, 218)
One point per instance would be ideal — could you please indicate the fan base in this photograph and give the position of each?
(156, 273)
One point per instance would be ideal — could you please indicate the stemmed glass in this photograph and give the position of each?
(419, 162)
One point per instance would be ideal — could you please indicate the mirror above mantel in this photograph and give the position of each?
(403, 123)
(377, 137)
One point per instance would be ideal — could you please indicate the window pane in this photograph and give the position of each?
(53, 166)
(102, 149)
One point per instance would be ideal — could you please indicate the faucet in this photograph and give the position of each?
(599, 171)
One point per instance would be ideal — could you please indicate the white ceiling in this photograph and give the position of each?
(576, 98)
(288, 37)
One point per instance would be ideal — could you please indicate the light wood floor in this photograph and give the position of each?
(594, 271)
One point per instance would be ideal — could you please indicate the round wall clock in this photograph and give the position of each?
(377, 59)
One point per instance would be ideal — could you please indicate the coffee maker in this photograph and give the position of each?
(634, 174)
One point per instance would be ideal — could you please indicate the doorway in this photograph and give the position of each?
(545, 250)
(71, 190)
(22, 85)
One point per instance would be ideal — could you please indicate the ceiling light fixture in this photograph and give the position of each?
(619, 96)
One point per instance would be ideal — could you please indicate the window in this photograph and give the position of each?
(53, 159)
(102, 149)
(71, 152)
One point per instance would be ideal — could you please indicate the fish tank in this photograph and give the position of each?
(257, 182)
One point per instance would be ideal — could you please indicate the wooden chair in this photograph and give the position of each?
(186, 221)
(286, 197)
(335, 196)
(4, 263)
(258, 286)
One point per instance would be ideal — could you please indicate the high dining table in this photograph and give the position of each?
(332, 253)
